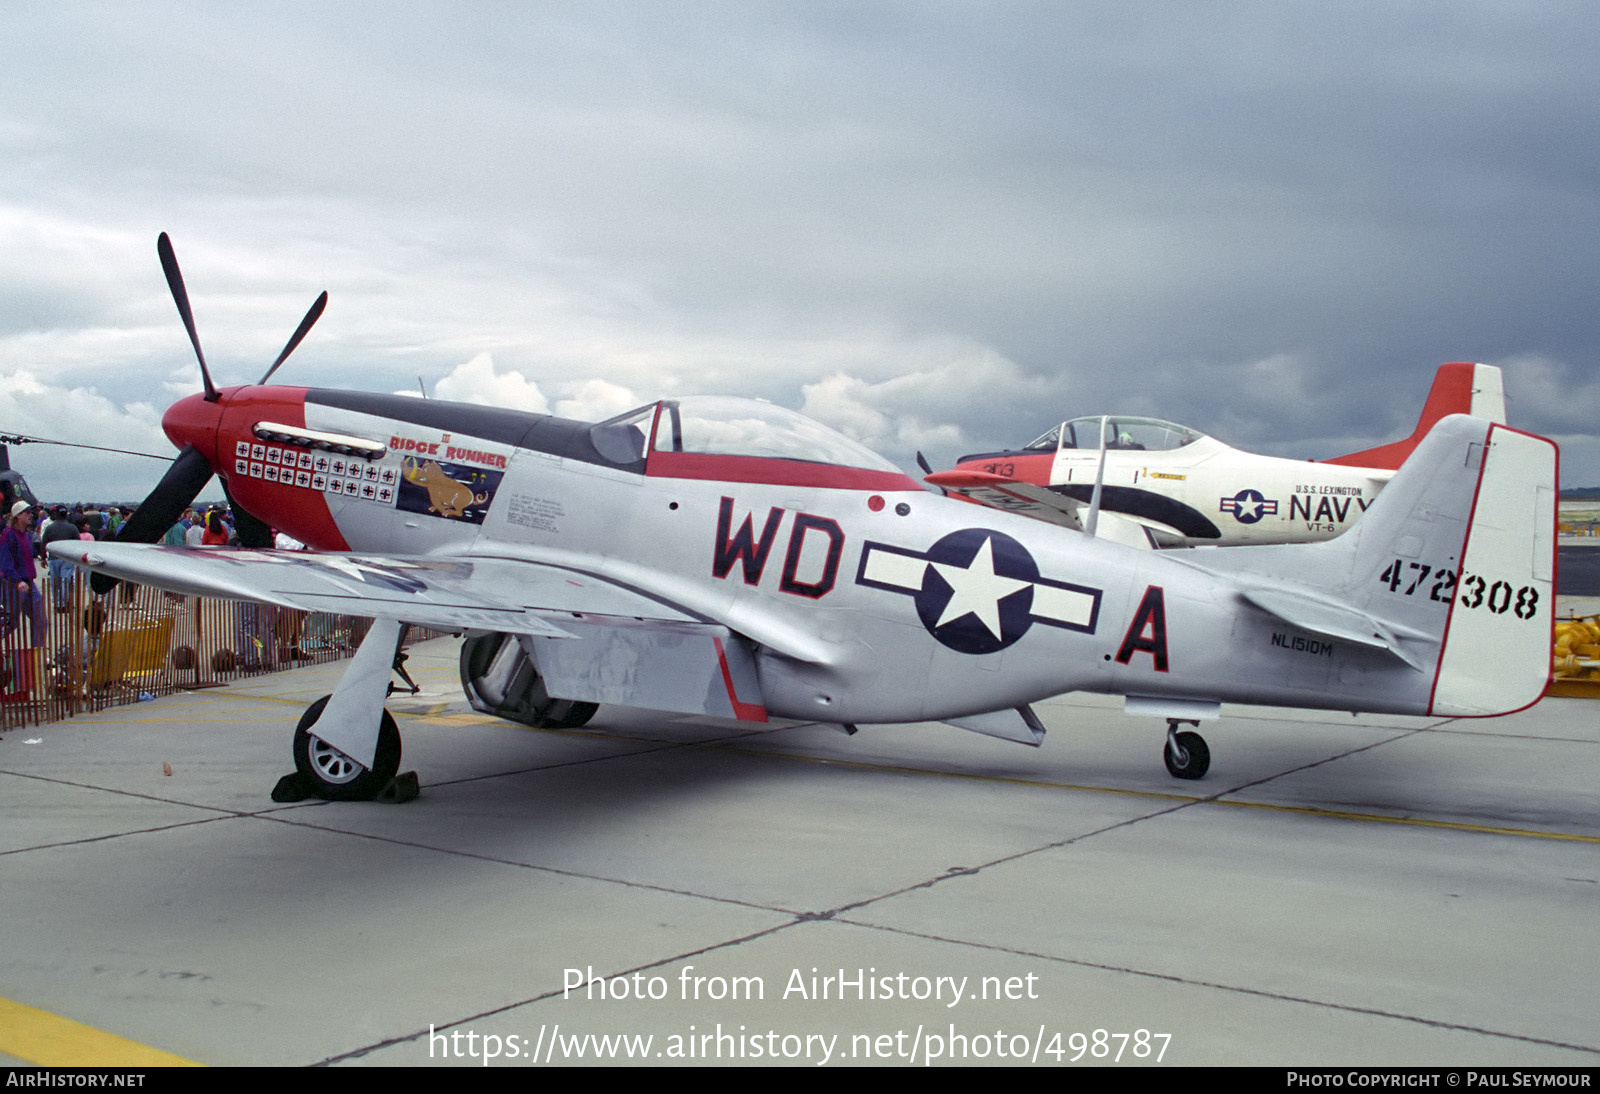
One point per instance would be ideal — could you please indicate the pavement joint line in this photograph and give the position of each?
(559, 871)
(221, 813)
(1015, 856)
(113, 790)
(49, 1040)
(1240, 989)
(357, 1053)
(114, 835)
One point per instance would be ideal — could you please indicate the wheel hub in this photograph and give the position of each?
(332, 765)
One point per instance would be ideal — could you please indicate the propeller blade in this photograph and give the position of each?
(185, 478)
(300, 332)
(180, 296)
(252, 532)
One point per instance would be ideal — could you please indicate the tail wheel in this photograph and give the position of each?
(335, 776)
(1187, 755)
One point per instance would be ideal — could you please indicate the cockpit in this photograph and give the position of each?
(723, 426)
(1116, 432)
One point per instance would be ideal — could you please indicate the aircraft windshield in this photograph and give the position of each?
(724, 426)
(622, 439)
(1121, 432)
(1046, 443)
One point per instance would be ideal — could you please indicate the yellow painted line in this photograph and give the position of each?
(457, 719)
(50, 1040)
(1419, 822)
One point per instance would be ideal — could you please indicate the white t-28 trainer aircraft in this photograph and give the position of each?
(732, 558)
(1181, 488)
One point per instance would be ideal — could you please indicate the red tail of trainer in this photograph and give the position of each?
(1458, 388)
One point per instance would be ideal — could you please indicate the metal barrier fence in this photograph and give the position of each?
(65, 651)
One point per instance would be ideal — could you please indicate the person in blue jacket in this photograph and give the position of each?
(19, 573)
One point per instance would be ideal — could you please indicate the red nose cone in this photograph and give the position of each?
(193, 421)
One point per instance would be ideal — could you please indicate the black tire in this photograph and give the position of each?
(565, 714)
(331, 774)
(1196, 761)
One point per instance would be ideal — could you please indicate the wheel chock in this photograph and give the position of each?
(402, 788)
(291, 788)
(295, 787)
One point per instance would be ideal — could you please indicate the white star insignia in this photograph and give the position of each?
(976, 589)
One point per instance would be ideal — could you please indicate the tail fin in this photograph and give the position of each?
(1458, 388)
(1451, 573)
(1496, 648)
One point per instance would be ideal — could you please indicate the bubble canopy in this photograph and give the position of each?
(1117, 431)
(715, 425)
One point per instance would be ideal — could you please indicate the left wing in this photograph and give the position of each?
(449, 593)
(698, 665)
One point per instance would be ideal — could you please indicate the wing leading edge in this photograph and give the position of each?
(709, 668)
(450, 593)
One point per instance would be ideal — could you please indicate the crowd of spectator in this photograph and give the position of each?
(30, 529)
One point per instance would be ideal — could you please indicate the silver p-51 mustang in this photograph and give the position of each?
(732, 558)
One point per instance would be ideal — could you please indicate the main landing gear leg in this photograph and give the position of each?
(1186, 753)
(347, 747)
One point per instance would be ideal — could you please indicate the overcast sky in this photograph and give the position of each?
(942, 226)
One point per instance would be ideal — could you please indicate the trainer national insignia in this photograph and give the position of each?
(1249, 506)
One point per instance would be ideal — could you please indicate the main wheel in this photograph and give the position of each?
(335, 776)
(566, 714)
(1193, 760)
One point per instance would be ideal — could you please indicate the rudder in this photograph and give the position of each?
(1495, 657)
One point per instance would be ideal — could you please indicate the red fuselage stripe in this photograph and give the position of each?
(773, 472)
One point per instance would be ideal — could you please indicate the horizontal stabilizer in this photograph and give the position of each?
(1320, 616)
